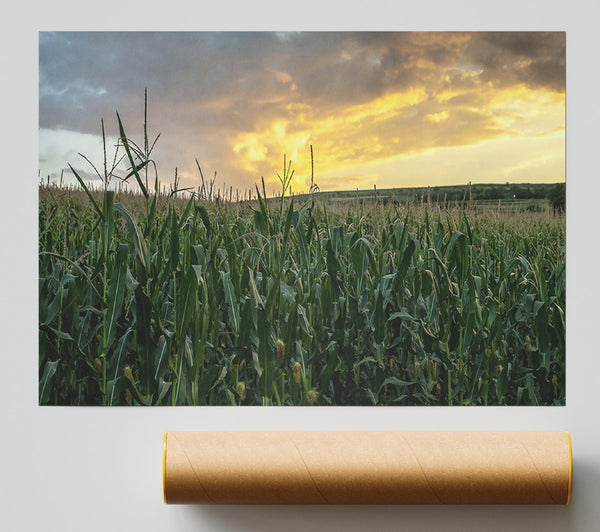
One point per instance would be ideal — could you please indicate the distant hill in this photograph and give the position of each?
(476, 194)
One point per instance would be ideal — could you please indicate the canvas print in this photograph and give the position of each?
(302, 218)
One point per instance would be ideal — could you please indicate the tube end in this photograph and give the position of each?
(164, 467)
(570, 467)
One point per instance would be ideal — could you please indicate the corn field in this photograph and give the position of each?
(151, 299)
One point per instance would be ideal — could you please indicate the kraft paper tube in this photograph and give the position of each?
(367, 467)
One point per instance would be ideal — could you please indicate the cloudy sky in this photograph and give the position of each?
(385, 109)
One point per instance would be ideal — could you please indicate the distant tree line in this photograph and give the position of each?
(558, 198)
(553, 193)
(511, 191)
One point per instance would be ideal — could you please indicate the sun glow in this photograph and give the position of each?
(339, 137)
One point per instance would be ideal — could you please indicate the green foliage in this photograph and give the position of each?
(375, 309)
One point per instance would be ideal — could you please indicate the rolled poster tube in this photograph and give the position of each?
(367, 468)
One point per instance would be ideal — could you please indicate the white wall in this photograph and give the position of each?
(99, 469)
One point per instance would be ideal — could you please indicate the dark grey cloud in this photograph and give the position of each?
(88, 74)
(81, 172)
(82, 74)
(535, 59)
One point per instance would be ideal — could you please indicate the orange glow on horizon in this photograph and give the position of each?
(350, 145)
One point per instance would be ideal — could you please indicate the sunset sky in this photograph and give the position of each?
(385, 109)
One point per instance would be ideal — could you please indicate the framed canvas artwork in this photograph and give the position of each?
(302, 218)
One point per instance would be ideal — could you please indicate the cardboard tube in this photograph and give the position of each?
(367, 467)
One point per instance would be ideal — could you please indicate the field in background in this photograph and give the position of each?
(439, 296)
